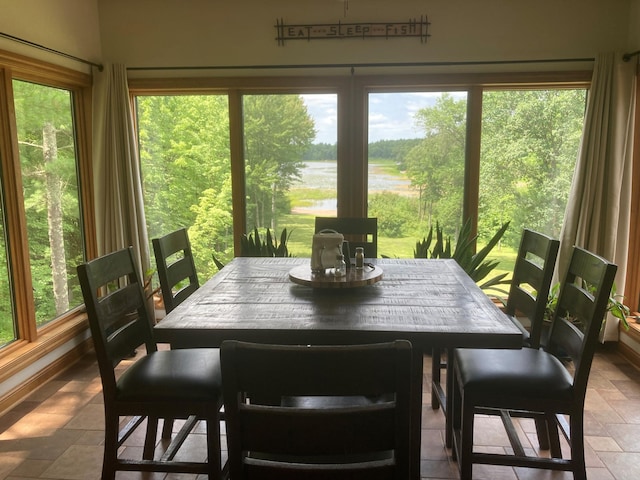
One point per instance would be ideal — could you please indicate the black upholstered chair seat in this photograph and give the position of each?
(526, 373)
(173, 375)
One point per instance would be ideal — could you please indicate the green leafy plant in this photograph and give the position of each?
(252, 245)
(477, 266)
(614, 306)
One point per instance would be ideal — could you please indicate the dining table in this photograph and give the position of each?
(430, 302)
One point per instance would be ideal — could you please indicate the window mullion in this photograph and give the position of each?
(472, 157)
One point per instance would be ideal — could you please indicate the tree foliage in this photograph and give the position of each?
(50, 186)
(529, 147)
(530, 142)
(436, 165)
(186, 165)
(277, 131)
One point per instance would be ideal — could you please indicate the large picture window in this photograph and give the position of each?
(416, 165)
(43, 235)
(186, 172)
(48, 163)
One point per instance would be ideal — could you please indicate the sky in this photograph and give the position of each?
(391, 115)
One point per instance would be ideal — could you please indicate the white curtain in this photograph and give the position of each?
(598, 209)
(120, 219)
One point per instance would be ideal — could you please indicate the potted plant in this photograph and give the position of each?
(615, 306)
(475, 264)
(252, 245)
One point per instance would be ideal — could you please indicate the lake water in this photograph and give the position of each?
(323, 176)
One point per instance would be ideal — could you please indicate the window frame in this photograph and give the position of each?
(32, 342)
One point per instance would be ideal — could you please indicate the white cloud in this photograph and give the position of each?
(391, 115)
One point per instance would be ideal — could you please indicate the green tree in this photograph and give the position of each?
(436, 165)
(50, 186)
(184, 152)
(186, 170)
(529, 147)
(321, 151)
(278, 130)
(392, 149)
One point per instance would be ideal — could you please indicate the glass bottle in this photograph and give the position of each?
(341, 266)
(359, 258)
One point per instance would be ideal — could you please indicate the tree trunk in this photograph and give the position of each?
(54, 219)
(274, 192)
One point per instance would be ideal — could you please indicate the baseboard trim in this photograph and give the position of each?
(54, 368)
(629, 354)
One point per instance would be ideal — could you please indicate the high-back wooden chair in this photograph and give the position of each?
(175, 267)
(550, 382)
(528, 293)
(160, 384)
(359, 232)
(268, 438)
(531, 282)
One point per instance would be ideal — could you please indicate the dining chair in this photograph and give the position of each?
(528, 292)
(268, 438)
(530, 284)
(175, 267)
(550, 382)
(160, 384)
(178, 279)
(359, 232)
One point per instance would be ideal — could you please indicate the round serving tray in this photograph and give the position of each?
(354, 278)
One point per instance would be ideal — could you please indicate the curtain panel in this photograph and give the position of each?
(599, 205)
(120, 218)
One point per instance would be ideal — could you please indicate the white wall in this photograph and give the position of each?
(241, 32)
(69, 26)
(143, 33)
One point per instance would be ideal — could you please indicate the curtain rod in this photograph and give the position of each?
(50, 50)
(628, 56)
(363, 65)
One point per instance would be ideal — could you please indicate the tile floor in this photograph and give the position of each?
(56, 433)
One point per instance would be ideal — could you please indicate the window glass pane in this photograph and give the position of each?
(50, 183)
(290, 162)
(186, 172)
(530, 141)
(8, 331)
(416, 166)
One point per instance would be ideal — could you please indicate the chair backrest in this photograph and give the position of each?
(582, 304)
(118, 312)
(360, 232)
(176, 268)
(352, 441)
(531, 280)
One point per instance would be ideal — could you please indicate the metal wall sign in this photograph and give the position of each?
(332, 31)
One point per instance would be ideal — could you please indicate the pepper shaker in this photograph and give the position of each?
(341, 266)
(359, 258)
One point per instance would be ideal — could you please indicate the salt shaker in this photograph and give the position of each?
(341, 266)
(359, 258)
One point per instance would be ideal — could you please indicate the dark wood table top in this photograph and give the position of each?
(429, 302)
